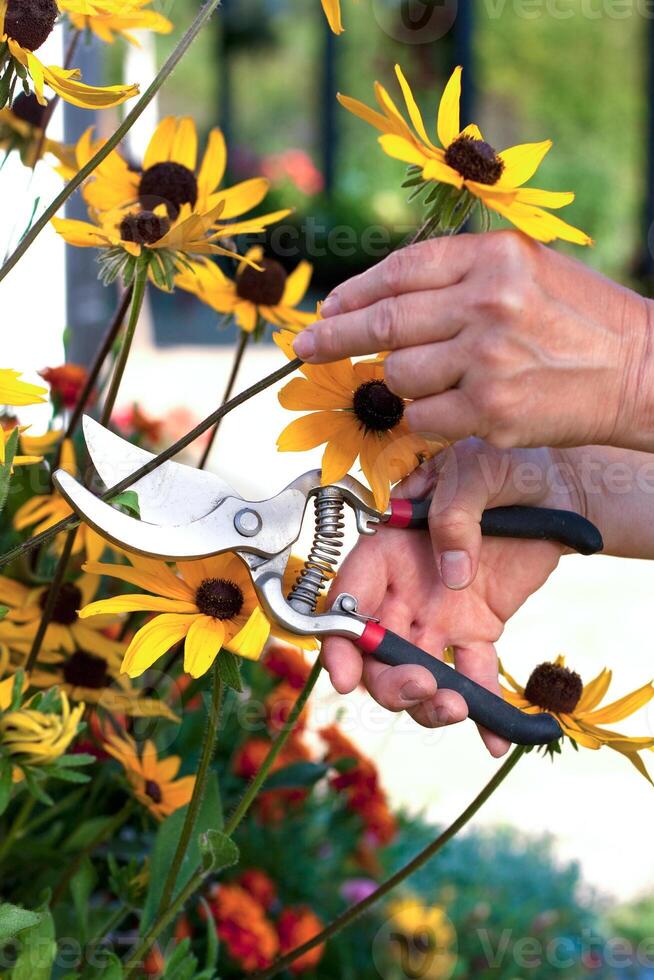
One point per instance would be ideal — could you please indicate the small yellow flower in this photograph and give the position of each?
(152, 779)
(24, 26)
(354, 412)
(467, 162)
(555, 688)
(427, 928)
(37, 738)
(265, 293)
(7, 428)
(211, 603)
(107, 18)
(21, 129)
(16, 393)
(42, 511)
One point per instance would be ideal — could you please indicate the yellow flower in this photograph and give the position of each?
(152, 779)
(332, 10)
(7, 427)
(265, 292)
(33, 445)
(65, 632)
(356, 415)
(13, 391)
(39, 738)
(467, 162)
(42, 511)
(425, 927)
(555, 688)
(211, 603)
(106, 18)
(24, 26)
(21, 129)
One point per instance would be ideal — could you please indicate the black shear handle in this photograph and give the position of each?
(484, 707)
(536, 523)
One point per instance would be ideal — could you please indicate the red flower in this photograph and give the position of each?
(66, 383)
(259, 885)
(243, 927)
(279, 704)
(272, 805)
(287, 663)
(297, 926)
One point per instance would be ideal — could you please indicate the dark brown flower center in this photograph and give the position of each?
(219, 598)
(554, 688)
(27, 108)
(86, 670)
(171, 184)
(30, 22)
(377, 407)
(66, 605)
(144, 227)
(474, 160)
(153, 790)
(264, 288)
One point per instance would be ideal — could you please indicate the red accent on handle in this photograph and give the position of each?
(401, 513)
(371, 637)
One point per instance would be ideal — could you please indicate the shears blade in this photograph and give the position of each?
(173, 494)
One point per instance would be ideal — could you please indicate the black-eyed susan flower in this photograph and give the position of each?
(153, 780)
(332, 10)
(24, 26)
(34, 737)
(209, 604)
(65, 632)
(467, 163)
(555, 688)
(109, 18)
(16, 393)
(357, 415)
(8, 424)
(97, 680)
(21, 129)
(42, 511)
(261, 294)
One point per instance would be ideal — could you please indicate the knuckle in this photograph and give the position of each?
(504, 297)
(384, 324)
(495, 402)
(394, 374)
(511, 247)
(394, 269)
(450, 523)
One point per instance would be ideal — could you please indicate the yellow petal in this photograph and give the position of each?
(297, 284)
(13, 391)
(402, 149)
(623, 707)
(537, 223)
(153, 640)
(241, 197)
(544, 199)
(440, 171)
(64, 83)
(310, 431)
(203, 642)
(302, 395)
(135, 603)
(250, 641)
(594, 692)
(154, 576)
(184, 149)
(521, 162)
(161, 143)
(332, 10)
(448, 124)
(212, 169)
(363, 111)
(246, 316)
(412, 106)
(342, 450)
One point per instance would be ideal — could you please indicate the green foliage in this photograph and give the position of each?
(13, 920)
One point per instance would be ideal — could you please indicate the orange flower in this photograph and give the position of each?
(297, 926)
(259, 885)
(272, 805)
(361, 786)
(66, 383)
(288, 663)
(279, 705)
(243, 927)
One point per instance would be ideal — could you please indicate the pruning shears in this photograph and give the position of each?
(186, 514)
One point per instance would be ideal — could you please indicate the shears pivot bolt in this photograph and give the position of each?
(248, 523)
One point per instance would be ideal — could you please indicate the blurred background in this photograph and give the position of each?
(576, 71)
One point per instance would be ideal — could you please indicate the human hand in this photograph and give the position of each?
(499, 337)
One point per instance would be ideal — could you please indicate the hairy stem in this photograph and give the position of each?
(238, 357)
(202, 17)
(208, 748)
(138, 295)
(418, 861)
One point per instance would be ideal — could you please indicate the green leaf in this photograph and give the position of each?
(299, 775)
(111, 969)
(11, 446)
(38, 949)
(129, 499)
(85, 834)
(165, 844)
(6, 783)
(81, 888)
(14, 919)
(218, 851)
(229, 668)
(212, 935)
(3, 611)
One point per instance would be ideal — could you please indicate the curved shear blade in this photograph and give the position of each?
(173, 494)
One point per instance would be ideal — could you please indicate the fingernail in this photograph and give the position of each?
(456, 569)
(305, 344)
(331, 306)
(412, 692)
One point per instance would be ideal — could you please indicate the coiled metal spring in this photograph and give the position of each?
(325, 551)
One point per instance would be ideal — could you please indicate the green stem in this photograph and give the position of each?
(105, 834)
(251, 792)
(201, 19)
(18, 826)
(51, 602)
(418, 861)
(199, 789)
(238, 357)
(191, 436)
(112, 923)
(138, 295)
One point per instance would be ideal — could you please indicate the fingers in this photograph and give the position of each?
(398, 688)
(460, 497)
(417, 372)
(448, 416)
(426, 265)
(397, 321)
(479, 663)
(343, 662)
